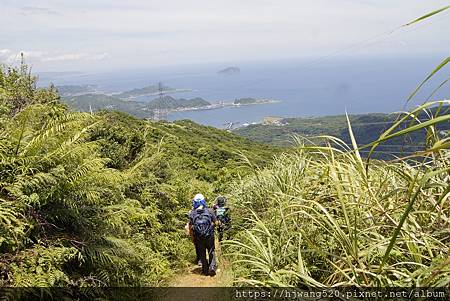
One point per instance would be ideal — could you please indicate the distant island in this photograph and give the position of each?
(160, 105)
(87, 98)
(157, 107)
(252, 101)
(169, 103)
(230, 71)
(71, 90)
(149, 90)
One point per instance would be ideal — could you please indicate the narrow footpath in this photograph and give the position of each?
(192, 276)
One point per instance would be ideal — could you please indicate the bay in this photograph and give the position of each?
(303, 88)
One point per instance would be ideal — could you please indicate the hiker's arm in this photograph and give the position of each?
(189, 225)
(191, 232)
(215, 220)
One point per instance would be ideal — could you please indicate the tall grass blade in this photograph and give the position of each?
(439, 67)
(428, 15)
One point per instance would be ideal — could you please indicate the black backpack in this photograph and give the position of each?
(202, 224)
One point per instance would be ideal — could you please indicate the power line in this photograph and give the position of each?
(384, 35)
(364, 43)
(360, 44)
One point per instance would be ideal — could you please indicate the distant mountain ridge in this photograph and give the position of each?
(97, 102)
(148, 90)
(170, 103)
(87, 98)
(69, 90)
(366, 128)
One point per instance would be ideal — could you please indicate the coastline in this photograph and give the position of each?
(219, 105)
(132, 97)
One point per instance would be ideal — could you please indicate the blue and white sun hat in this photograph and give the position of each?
(199, 200)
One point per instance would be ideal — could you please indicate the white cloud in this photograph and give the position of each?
(33, 10)
(150, 32)
(8, 56)
(77, 56)
(4, 51)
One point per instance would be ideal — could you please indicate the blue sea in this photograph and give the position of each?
(304, 88)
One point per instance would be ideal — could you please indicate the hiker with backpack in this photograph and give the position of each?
(202, 221)
(223, 215)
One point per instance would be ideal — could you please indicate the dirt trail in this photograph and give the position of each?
(192, 276)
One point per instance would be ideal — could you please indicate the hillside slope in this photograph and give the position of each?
(170, 103)
(198, 152)
(97, 102)
(102, 199)
(322, 216)
(366, 128)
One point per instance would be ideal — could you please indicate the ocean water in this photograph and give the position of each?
(304, 88)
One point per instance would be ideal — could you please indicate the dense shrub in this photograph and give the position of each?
(100, 199)
(321, 216)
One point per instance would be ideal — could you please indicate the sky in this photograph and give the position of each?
(82, 35)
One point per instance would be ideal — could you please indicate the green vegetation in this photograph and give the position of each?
(251, 101)
(148, 90)
(98, 102)
(170, 103)
(101, 199)
(70, 90)
(245, 101)
(366, 128)
(321, 216)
